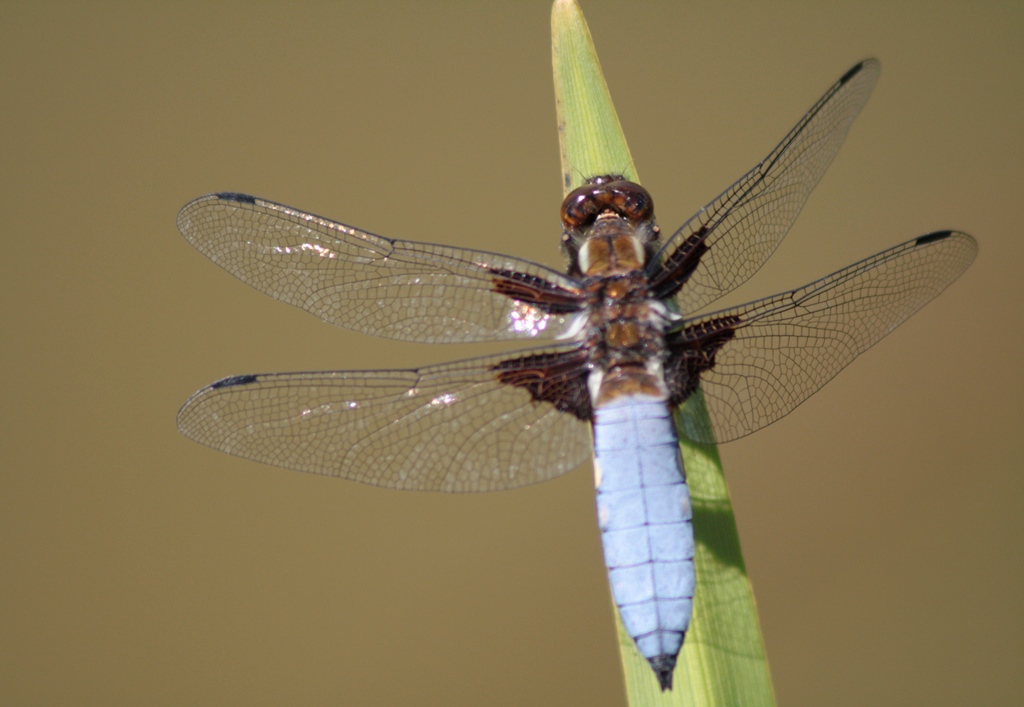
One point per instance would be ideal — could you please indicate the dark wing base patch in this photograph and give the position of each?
(556, 378)
(544, 295)
(692, 352)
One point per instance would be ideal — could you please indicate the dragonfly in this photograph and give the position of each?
(617, 342)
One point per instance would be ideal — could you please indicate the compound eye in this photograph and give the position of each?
(581, 206)
(632, 201)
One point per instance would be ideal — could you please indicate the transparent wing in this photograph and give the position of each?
(374, 285)
(726, 242)
(777, 351)
(453, 427)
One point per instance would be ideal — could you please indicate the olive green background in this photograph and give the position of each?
(881, 521)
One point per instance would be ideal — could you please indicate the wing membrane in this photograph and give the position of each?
(371, 284)
(728, 240)
(452, 427)
(784, 348)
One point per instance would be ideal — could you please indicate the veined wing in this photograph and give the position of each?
(758, 361)
(476, 425)
(728, 240)
(375, 285)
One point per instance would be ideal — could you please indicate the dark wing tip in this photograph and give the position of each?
(932, 237)
(663, 666)
(856, 69)
(234, 196)
(233, 381)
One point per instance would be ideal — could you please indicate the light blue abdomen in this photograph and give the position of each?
(643, 508)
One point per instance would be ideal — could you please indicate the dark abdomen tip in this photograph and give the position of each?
(663, 666)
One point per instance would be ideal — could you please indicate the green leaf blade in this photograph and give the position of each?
(590, 138)
(723, 660)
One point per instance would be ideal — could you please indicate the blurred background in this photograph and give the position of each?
(880, 521)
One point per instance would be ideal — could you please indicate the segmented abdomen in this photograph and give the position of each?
(644, 511)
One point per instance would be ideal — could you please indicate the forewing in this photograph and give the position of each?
(757, 362)
(726, 242)
(454, 427)
(371, 284)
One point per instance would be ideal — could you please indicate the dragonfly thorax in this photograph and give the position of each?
(626, 337)
(611, 248)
